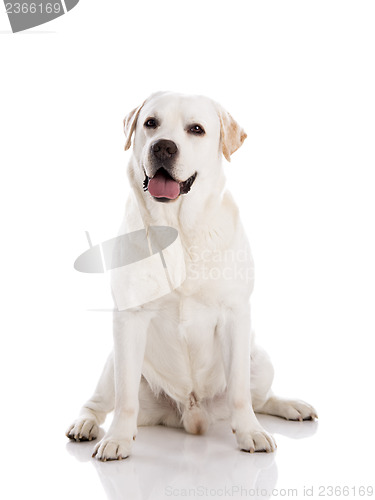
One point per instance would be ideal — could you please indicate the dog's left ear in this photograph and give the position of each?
(130, 122)
(232, 134)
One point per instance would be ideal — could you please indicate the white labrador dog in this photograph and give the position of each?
(188, 358)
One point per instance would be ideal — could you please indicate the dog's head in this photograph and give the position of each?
(178, 142)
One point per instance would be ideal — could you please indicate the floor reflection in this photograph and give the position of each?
(170, 463)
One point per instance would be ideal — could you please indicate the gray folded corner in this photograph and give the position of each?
(26, 14)
(70, 4)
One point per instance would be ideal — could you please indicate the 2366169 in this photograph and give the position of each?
(345, 491)
(32, 8)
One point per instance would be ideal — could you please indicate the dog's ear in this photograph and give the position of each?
(232, 134)
(130, 122)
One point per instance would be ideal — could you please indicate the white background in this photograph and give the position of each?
(299, 77)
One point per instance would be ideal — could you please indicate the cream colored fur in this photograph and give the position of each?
(188, 358)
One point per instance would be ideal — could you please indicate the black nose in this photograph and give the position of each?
(164, 149)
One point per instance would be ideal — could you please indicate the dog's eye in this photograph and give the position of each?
(196, 129)
(151, 123)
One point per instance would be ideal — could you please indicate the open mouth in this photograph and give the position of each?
(164, 187)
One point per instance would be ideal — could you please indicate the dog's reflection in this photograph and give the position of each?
(170, 463)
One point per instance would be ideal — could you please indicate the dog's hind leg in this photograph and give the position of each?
(261, 377)
(153, 410)
(264, 401)
(94, 411)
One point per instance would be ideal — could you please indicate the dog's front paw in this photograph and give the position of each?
(83, 429)
(255, 440)
(111, 448)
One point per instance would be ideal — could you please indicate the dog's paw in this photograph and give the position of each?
(112, 449)
(255, 441)
(83, 429)
(297, 410)
(290, 409)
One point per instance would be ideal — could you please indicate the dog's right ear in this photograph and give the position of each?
(130, 122)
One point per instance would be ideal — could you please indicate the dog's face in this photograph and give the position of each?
(178, 141)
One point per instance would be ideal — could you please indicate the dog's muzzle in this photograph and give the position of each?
(162, 184)
(163, 187)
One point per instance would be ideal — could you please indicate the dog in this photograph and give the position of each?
(188, 358)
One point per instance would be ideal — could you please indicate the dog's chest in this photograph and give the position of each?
(183, 353)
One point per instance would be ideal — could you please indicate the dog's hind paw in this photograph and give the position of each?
(290, 409)
(83, 429)
(299, 410)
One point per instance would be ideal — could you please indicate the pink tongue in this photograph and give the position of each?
(163, 186)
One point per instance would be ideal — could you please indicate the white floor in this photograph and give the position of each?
(170, 463)
(55, 374)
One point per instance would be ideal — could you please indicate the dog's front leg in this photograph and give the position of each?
(236, 342)
(129, 332)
